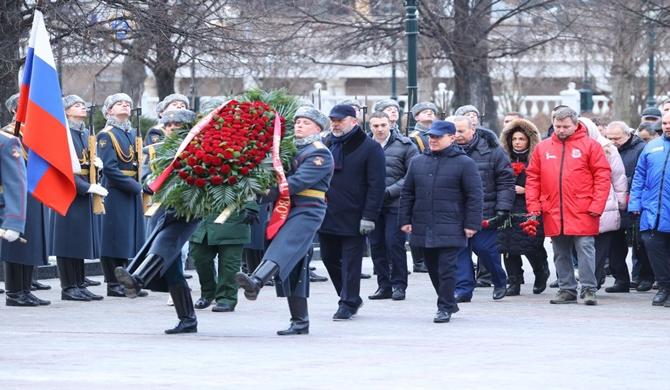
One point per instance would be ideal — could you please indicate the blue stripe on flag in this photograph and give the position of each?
(36, 167)
(28, 67)
(45, 89)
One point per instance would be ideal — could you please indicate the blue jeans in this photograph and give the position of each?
(387, 245)
(485, 245)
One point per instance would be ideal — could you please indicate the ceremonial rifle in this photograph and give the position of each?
(146, 198)
(98, 203)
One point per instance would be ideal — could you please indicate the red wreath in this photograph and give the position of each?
(230, 146)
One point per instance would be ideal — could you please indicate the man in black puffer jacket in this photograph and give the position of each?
(441, 205)
(630, 146)
(387, 241)
(497, 178)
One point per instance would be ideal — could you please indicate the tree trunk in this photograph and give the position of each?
(132, 78)
(10, 33)
(628, 41)
(165, 77)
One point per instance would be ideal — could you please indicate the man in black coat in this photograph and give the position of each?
(630, 146)
(498, 188)
(441, 205)
(355, 199)
(387, 241)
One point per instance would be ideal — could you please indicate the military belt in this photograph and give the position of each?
(313, 193)
(129, 173)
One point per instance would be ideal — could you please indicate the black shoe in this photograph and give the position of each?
(483, 284)
(661, 297)
(381, 293)
(90, 295)
(554, 284)
(513, 290)
(462, 298)
(35, 285)
(420, 267)
(90, 282)
(73, 294)
(342, 313)
(655, 286)
(183, 305)
(398, 294)
(2, 291)
(355, 311)
(221, 307)
(365, 276)
(19, 299)
(131, 285)
(643, 285)
(188, 276)
(540, 283)
(499, 293)
(296, 328)
(633, 284)
(115, 290)
(184, 326)
(41, 302)
(314, 277)
(564, 296)
(253, 283)
(142, 294)
(442, 317)
(618, 288)
(202, 303)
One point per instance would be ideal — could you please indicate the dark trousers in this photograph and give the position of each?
(514, 264)
(441, 264)
(174, 275)
(343, 258)
(618, 253)
(485, 245)
(108, 266)
(387, 245)
(641, 264)
(602, 243)
(658, 249)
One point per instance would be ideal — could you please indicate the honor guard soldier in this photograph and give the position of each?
(424, 113)
(308, 181)
(122, 224)
(76, 236)
(21, 258)
(171, 102)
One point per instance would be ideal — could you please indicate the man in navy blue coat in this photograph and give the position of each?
(355, 200)
(441, 206)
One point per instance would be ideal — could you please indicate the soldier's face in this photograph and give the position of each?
(464, 132)
(392, 112)
(304, 128)
(176, 105)
(339, 127)
(425, 116)
(120, 110)
(474, 118)
(77, 111)
(380, 128)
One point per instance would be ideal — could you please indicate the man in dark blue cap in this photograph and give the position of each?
(355, 200)
(441, 206)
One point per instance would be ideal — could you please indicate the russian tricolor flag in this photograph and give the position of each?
(52, 160)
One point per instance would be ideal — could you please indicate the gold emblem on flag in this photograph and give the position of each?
(102, 143)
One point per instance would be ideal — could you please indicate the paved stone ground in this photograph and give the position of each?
(517, 343)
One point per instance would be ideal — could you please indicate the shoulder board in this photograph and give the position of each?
(319, 145)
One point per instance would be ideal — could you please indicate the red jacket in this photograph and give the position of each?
(567, 180)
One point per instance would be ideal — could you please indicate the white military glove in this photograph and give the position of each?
(366, 227)
(10, 235)
(97, 189)
(98, 163)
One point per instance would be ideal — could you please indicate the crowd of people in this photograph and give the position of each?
(449, 187)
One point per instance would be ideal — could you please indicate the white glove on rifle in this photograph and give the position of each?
(10, 235)
(98, 163)
(97, 189)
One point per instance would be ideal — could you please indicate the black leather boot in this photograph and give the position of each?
(114, 289)
(297, 306)
(513, 286)
(183, 304)
(253, 283)
(81, 282)
(27, 275)
(541, 278)
(144, 273)
(67, 273)
(14, 285)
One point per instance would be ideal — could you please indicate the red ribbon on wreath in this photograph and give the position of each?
(283, 204)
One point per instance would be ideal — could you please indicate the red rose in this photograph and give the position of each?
(485, 224)
(244, 171)
(190, 180)
(198, 169)
(176, 164)
(227, 154)
(216, 180)
(518, 168)
(225, 169)
(183, 174)
(200, 182)
(192, 161)
(232, 180)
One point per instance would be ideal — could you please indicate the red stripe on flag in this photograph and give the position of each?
(55, 191)
(23, 103)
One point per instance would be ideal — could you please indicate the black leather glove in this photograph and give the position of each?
(502, 214)
(270, 197)
(250, 217)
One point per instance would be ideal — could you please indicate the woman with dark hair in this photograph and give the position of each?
(518, 139)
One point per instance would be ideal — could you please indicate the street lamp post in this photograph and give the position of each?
(411, 31)
(651, 78)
